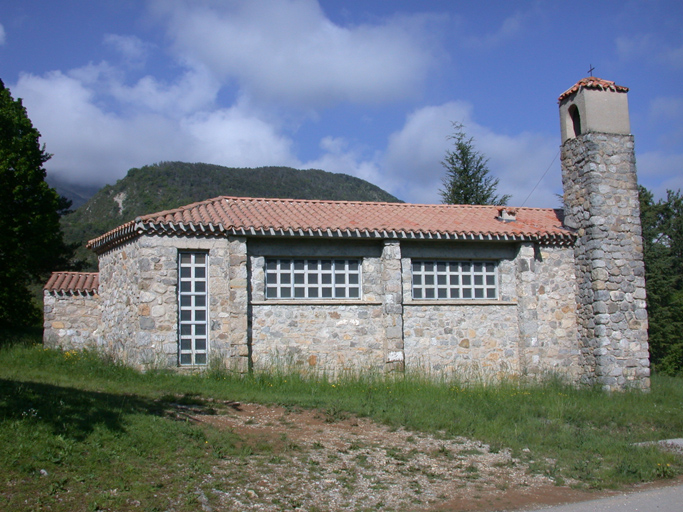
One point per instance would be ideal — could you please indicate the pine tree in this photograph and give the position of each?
(467, 178)
(31, 241)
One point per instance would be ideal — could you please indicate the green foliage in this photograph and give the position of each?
(662, 224)
(31, 243)
(467, 178)
(170, 185)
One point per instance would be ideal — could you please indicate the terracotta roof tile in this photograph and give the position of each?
(73, 282)
(263, 217)
(592, 82)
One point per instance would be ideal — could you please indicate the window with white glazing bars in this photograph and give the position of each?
(193, 300)
(455, 280)
(292, 278)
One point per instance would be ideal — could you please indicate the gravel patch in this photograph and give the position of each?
(314, 461)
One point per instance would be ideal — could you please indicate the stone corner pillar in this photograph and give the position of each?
(238, 310)
(392, 306)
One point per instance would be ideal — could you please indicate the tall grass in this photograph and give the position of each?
(76, 413)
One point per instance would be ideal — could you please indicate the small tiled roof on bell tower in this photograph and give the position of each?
(592, 82)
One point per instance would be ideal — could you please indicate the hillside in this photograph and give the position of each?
(76, 193)
(169, 185)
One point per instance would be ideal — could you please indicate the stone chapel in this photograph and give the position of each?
(335, 286)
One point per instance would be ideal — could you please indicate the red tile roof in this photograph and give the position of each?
(73, 282)
(305, 218)
(592, 82)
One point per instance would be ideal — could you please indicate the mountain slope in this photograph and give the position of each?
(169, 185)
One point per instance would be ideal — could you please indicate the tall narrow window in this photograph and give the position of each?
(193, 300)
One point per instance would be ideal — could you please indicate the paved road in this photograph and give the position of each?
(664, 499)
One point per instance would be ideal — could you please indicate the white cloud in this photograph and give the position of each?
(414, 155)
(194, 90)
(89, 144)
(288, 50)
(93, 145)
(235, 138)
(648, 46)
(2, 34)
(340, 157)
(98, 124)
(133, 49)
(511, 27)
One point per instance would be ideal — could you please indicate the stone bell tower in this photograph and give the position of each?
(601, 204)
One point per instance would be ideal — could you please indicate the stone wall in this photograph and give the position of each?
(546, 296)
(120, 300)
(529, 329)
(325, 336)
(601, 198)
(70, 319)
(469, 340)
(138, 286)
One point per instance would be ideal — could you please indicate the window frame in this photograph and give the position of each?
(193, 300)
(473, 280)
(310, 279)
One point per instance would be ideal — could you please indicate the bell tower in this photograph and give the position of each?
(601, 204)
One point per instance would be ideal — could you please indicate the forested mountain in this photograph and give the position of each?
(167, 185)
(76, 193)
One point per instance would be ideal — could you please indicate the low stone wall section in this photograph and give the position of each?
(463, 340)
(70, 320)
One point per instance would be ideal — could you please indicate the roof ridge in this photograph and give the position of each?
(178, 209)
(335, 201)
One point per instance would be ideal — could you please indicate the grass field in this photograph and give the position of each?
(75, 429)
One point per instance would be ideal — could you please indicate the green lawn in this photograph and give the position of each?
(80, 433)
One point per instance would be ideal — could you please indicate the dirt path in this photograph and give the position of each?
(311, 460)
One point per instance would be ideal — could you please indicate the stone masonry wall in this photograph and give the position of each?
(233, 328)
(70, 320)
(530, 330)
(138, 285)
(546, 298)
(601, 202)
(323, 337)
(120, 298)
(472, 339)
(392, 306)
(468, 340)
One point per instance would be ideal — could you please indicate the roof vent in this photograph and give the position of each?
(507, 214)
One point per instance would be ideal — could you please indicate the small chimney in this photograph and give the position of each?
(507, 214)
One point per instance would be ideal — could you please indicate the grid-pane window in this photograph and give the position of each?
(193, 312)
(291, 278)
(455, 280)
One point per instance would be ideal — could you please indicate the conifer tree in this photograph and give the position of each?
(467, 178)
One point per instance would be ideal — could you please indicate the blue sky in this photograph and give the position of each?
(368, 88)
